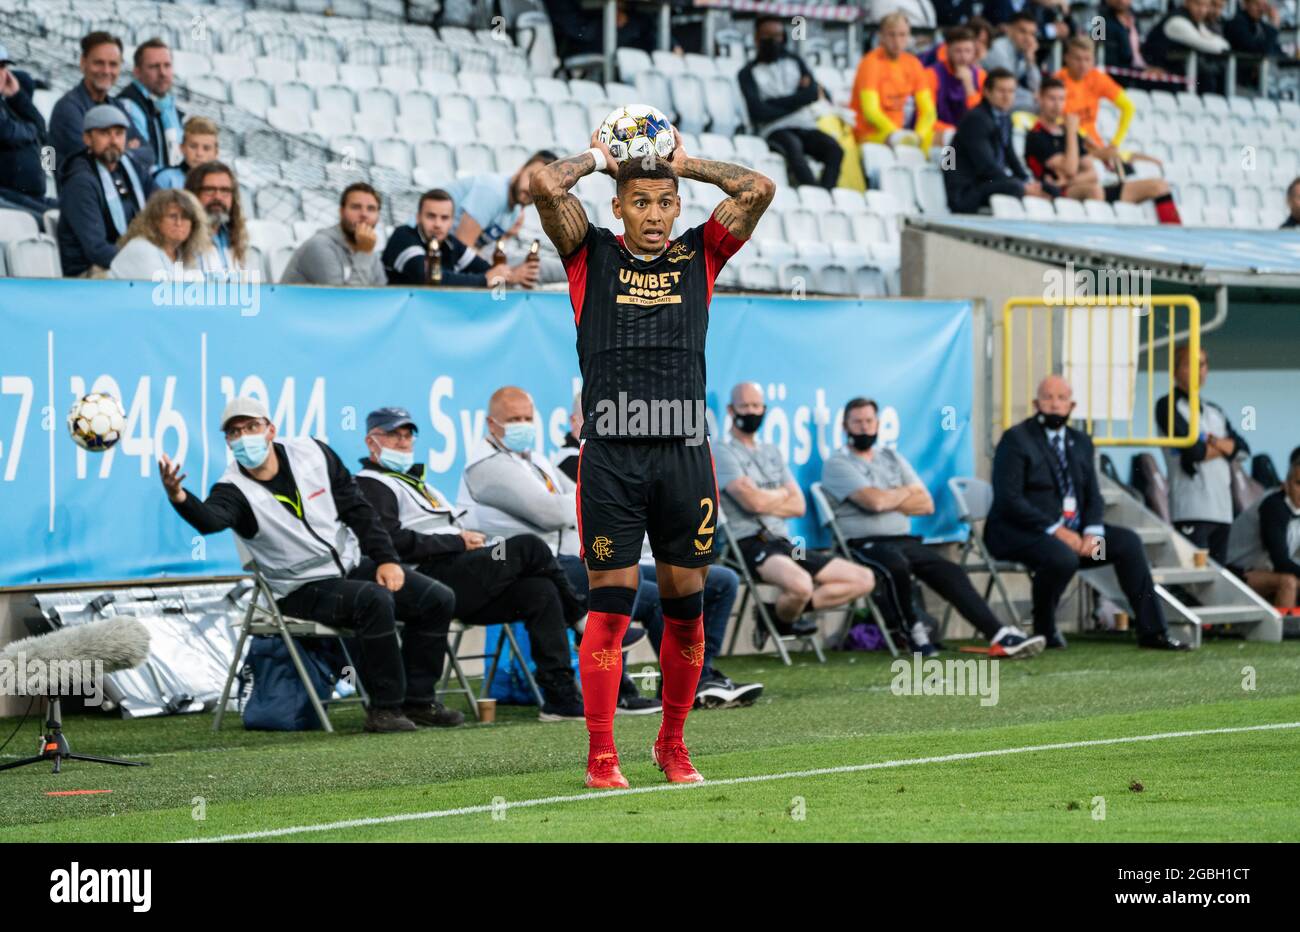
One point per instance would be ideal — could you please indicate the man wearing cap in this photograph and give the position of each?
(514, 579)
(326, 556)
(101, 63)
(22, 134)
(100, 189)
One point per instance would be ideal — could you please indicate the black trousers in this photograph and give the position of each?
(1208, 535)
(1054, 565)
(795, 145)
(970, 200)
(395, 670)
(905, 557)
(515, 580)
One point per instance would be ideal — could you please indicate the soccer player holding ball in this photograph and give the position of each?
(641, 303)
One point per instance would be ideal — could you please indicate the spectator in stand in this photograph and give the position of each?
(1017, 52)
(1085, 87)
(982, 34)
(1048, 513)
(780, 91)
(214, 184)
(577, 32)
(956, 82)
(1056, 153)
(986, 163)
(1122, 40)
(202, 143)
(889, 78)
(407, 250)
(1186, 29)
(489, 209)
(101, 63)
(1254, 31)
(953, 12)
(343, 254)
(101, 189)
(874, 492)
(1292, 205)
(1200, 476)
(165, 240)
(757, 495)
(1264, 544)
(149, 102)
(1051, 16)
(22, 135)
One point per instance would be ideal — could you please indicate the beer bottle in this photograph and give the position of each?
(433, 263)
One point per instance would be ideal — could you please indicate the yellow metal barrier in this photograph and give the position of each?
(1125, 359)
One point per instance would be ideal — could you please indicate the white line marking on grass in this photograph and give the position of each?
(731, 781)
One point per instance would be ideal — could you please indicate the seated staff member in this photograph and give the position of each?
(406, 254)
(758, 494)
(327, 558)
(875, 491)
(516, 579)
(1048, 514)
(1264, 543)
(888, 77)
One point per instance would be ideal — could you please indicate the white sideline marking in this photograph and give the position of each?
(757, 778)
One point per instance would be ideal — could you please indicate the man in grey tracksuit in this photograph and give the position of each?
(346, 253)
(1200, 476)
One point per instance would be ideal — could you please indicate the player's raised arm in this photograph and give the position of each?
(749, 191)
(563, 218)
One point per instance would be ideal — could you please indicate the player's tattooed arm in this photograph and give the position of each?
(563, 218)
(750, 191)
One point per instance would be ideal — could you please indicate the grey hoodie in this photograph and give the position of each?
(327, 259)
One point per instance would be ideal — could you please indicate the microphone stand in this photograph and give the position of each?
(55, 747)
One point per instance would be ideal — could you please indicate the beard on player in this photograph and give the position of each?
(648, 204)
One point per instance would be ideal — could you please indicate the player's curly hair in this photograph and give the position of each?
(644, 168)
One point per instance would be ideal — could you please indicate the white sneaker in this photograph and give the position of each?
(1011, 642)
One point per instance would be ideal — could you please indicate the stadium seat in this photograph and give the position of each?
(812, 249)
(458, 107)
(277, 202)
(251, 94)
(725, 105)
(833, 278)
(801, 225)
(475, 157)
(51, 218)
(274, 70)
(16, 225)
(632, 62)
(1038, 208)
(875, 159)
(849, 200)
(796, 277)
(1099, 212)
(579, 90)
(836, 226)
(715, 146)
(930, 192)
(209, 85)
(559, 89)
(1245, 218)
(294, 95)
(814, 197)
(690, 100)
(775, 250)
(35, 256)
(394, 153)
(1213, 215)
(268, 234)
(1069, 210)
(1007, 207)
(1221, 195)
(908, 155)
(655, 89)
(883, 203)
(233, 67)
(759, 276)
(497, 109)
(870, 228)
(290, 119)
(869, 282)
(897, 181)
(532, 113)
(377, 101)
(569, 120)
(1128, 213)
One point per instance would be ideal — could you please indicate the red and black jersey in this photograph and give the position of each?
(1041, 146)
(642, 324)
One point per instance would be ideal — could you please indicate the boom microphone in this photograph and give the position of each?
(119, 643)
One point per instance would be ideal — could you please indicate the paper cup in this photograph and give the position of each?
(487, 711)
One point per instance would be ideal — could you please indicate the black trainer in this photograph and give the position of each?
(717, 691)
(433, 715)
(387, 721)
(563, 702)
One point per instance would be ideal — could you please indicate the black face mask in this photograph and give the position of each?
(748, 423)
(769, 49)
(863, 441)
(1052, 421)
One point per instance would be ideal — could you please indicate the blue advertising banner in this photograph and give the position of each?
(321, 358)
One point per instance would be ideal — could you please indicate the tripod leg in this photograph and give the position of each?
(107, 760)
(22, 763)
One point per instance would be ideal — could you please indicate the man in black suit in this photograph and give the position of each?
(985, 161)
(1048, 514)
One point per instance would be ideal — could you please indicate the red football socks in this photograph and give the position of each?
(681, 657)
(600, 662)
(1166, 210)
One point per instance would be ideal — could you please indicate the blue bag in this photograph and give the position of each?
(510, 686)
(279, 702)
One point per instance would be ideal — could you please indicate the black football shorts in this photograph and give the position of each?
(661, 487)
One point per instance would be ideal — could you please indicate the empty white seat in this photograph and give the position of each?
(1007, 207)
(800, 225)
(749, 149)
(1215, 104)
(417, 104)
(294, 95)
(578, 89)
(277, 202)
(1216, 216)
(457, 107)
(883, 203)
(393, 153)
(814, 197)
(1099, 212)
(1038, 208)
(269, 234)
(908, 155)
(632, 62)
(359, 75)
(1069, 209)
(655, 89)
(251, 94)
(812, 249)
(336, 98)
(16, 224)
(836, 225)
(275, 70)
(351, 149)
(869, 228)
(377, 101)
(897, 181)
(496, 109)
(931, 195)
(776, 250)
(559, 89)
(848, 200)
(325, 122)
(288, 119)
(834, 278)
(690, 100)
(759, 276)
(715, 146)
(475, 157)
(725, 105)
(34, 256)
(209, 85)
(1128, 213)
(233, 67)
(796, 277)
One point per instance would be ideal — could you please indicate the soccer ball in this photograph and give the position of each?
(96, 422)
(637, 131)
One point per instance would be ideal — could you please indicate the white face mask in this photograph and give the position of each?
(396, 460)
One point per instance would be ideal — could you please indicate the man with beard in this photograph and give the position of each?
(214, 184)
(489, 208)
(758, 495)
(875, 492)
(100, 191)
(343, 254)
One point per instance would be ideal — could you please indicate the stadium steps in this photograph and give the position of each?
(1194, 597)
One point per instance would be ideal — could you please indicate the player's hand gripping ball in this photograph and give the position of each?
(96, 422)
(636, 131)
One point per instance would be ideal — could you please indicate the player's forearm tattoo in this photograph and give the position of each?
(733, 179)
(563, 218)
(750, 192)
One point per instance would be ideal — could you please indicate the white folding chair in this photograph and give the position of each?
(974, 498)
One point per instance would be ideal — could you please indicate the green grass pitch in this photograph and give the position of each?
(1235, 786)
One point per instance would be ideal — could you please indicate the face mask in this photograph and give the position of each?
(396, 460)
(520, 437)
(251, 450)
(1052, 421)
(748, 423)
(863, 441)
(769, 49)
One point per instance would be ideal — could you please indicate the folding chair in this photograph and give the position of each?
(974, 498)
(263, 616)
(454, 656)
(826, 517)
(733, 559)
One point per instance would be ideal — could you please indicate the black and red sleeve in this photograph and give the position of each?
(575, 267)
(719, 246)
